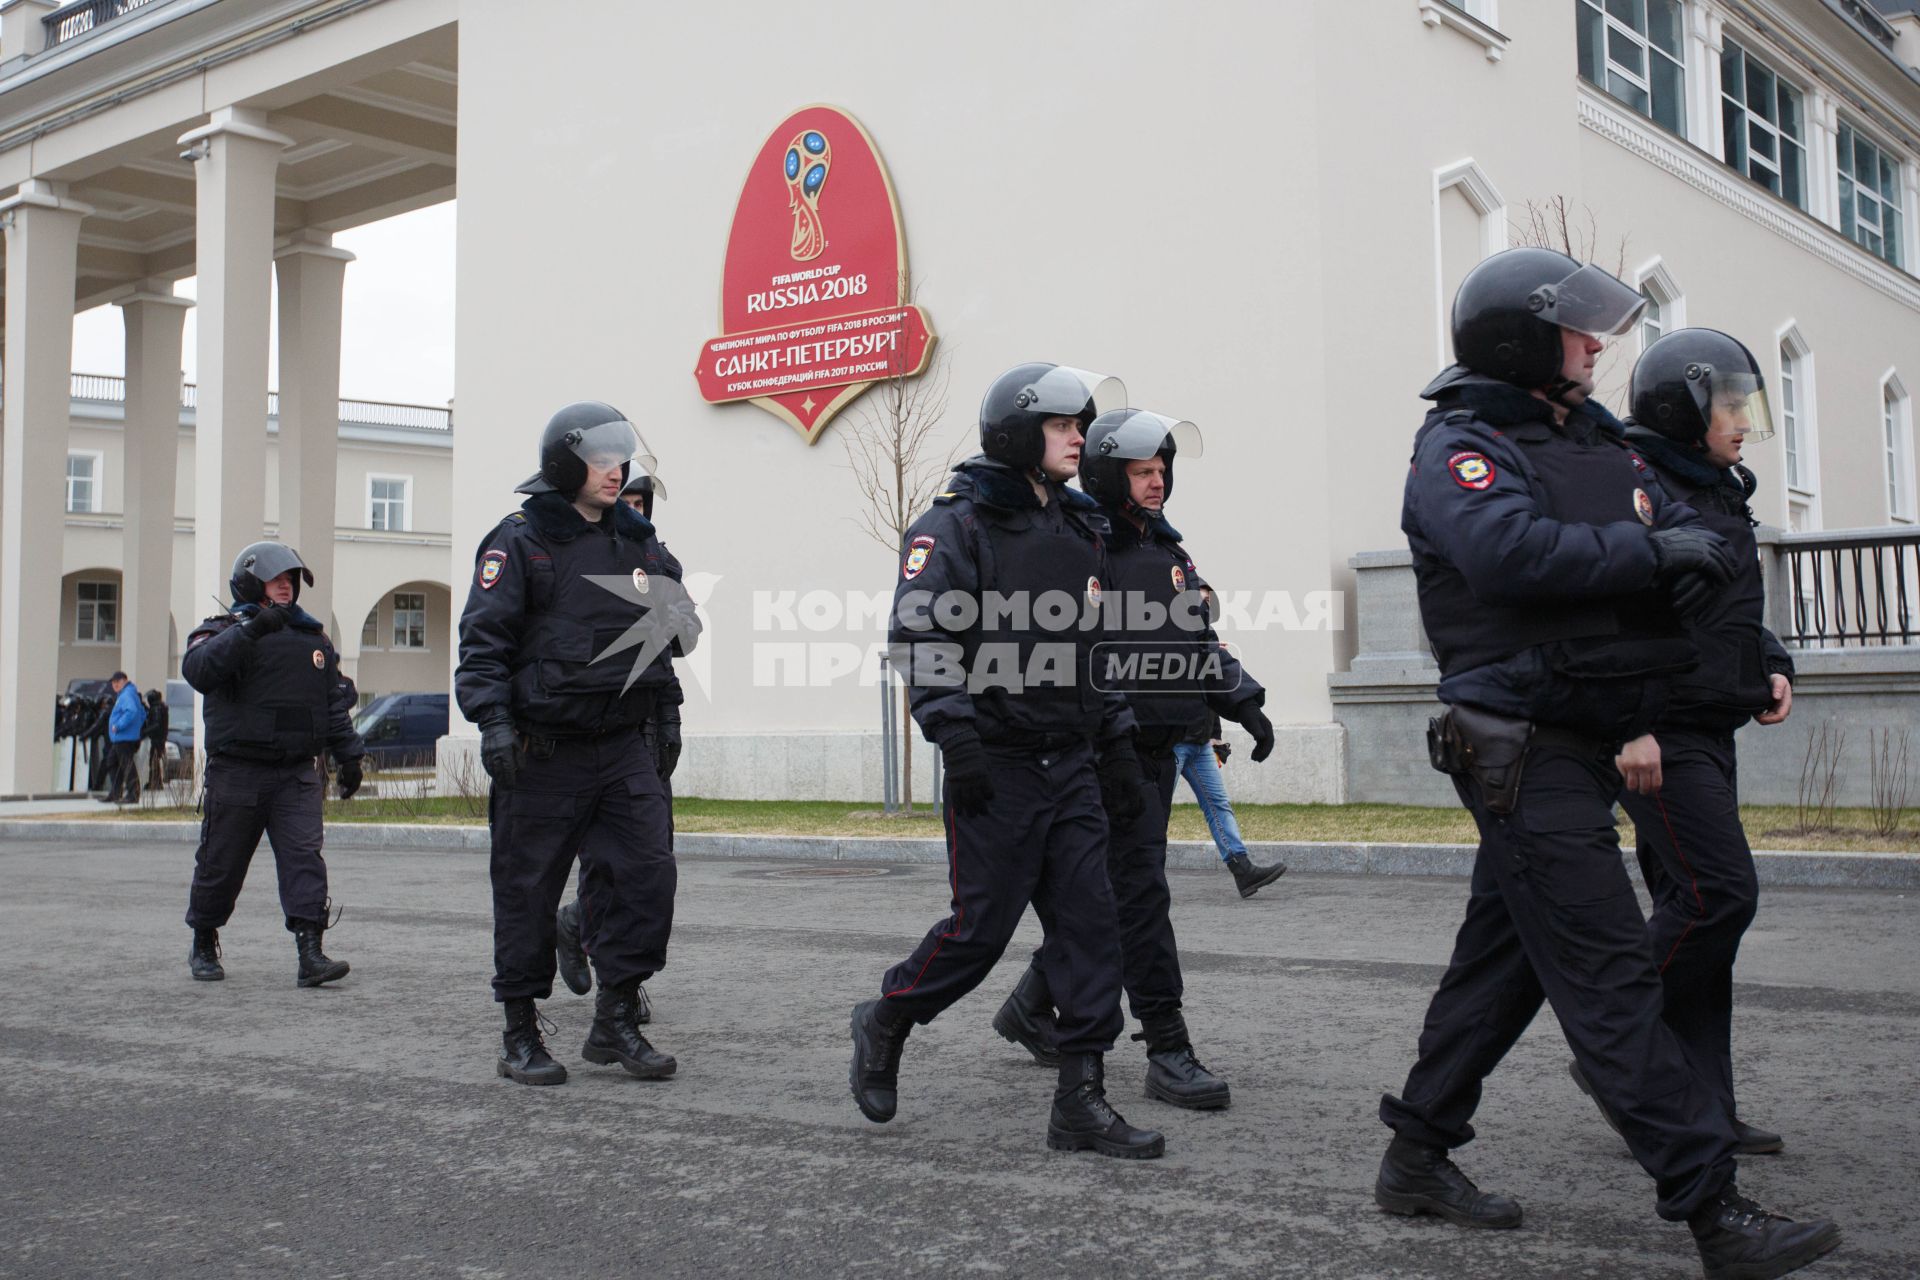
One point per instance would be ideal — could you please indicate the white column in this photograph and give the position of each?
(233, 258)
(43, 248)
(1909, 214)
(1706, 35)
(312, 273)
(1823, 158)
(153, 319)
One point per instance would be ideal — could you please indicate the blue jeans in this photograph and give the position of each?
(1202, 772)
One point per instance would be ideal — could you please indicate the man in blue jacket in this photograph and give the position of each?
(126, 726)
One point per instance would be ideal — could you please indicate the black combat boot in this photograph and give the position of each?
(203, 958)
(1026, 1018)
(1083, 1119)
(615, 1036)
(879, 1034)
(1250, 876)
(1739, 1240)
(315, 968)
(1173, 1073)
(572, 956)
(523, 1054)
(1752, 1140)
(1415, 1178)
(642, 1006)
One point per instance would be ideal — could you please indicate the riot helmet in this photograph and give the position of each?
(588, 431)
(260, 563)
(1020, 401)
(1131, 435)
(1682, 378)
(1510, 309)
(646, 487)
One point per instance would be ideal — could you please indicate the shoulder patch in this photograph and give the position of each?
(917, 552)
(945, 499)
(1471, 470)
(492, 565)
(516, 517)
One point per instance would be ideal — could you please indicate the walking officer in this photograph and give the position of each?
(995, 619)
(1698, 397)
(274, 701)
(1548, 567)
(565, 643)
(1176, 676)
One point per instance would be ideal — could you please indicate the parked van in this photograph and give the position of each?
(402, 729)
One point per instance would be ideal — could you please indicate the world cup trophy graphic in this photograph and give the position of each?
(808, 159)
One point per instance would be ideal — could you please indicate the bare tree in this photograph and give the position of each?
(1554, 224)
(1890, 778)
(1820, 776)
(893, 450)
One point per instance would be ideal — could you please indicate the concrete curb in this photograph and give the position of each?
(1775, 867)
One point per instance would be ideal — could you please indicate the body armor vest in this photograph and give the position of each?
(277, 711)
(1730, 685)
(1151, 573)
(1032, 553)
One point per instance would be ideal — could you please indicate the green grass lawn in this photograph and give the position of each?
(1768, 826)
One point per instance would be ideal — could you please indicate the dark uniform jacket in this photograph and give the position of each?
(1154, 579)
(1015, 676)
(1738, 655)
(276, 700)
(561, 611)
(1535, 573)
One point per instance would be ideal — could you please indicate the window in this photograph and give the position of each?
(1632, 49)
(388, 501)
(370, 629)
(83, 481)
(1665, 309)
(1797, 434)
(1764, 123)
(409, 620)
(97, 613)
(1896, 418)
(1870, 209)
(1651, 328)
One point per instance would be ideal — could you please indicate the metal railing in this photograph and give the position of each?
(1853, 587)
(70, 22)
(111, 389)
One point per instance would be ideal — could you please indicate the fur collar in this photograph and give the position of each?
(995, 484)
(1690, 466)
(1158, 530)
(297, 617)
(553, 517)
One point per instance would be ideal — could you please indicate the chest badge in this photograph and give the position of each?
(1093, 592)
(319, 660)
(1643, 506)
(1179, 578)
(917, 554)
(1471, 470)
(640, 582)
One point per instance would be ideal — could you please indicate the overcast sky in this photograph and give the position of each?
(396, 340)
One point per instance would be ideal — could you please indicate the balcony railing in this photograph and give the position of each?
(71, 21)
(365, 413)
(1852, 587)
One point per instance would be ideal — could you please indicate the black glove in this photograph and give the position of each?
(1123, 785)
(269, 619)
(666, 745)
(348, 777)
(1692, 594)
(969, 781)
(500, 748)
(1221, 750)
(1693, 550)
(1255, 722)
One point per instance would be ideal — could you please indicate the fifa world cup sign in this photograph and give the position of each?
(812, 310)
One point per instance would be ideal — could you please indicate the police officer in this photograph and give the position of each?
(1546, 565)
(274, 701)
(564, 645)
(1176, 676)
(996, 615)
(1698, 398)
(661, 737)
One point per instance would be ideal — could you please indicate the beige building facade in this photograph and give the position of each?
(1252, 213)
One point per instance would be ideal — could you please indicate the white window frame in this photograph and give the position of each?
(1893, 249)
(1799, 414)
(96, 638)
(1642, 80)
(1667, 303)
(1896, 421)
(393, 630)
(1749, 120)
(406, 501)
(1477, 20)
(1487, 201)
(371, 624)
(97, 484)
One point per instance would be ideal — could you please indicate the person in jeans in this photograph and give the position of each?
(1199, 760)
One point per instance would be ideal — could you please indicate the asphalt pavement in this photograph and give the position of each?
(154, 1126)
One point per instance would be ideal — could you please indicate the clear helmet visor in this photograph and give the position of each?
(1137, 433)
(1065, 391)
(1737, 406)
(1589, 301)
(606, 446)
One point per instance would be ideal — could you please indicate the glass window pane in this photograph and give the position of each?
(1669, 99)
(1631, 12)
(1733, 76)
(1846, 207)
(1894, 254)
(1626, 52)
(1888, 181)
(1793, 174)
(1789, 114)
(1590, 23)
(1628, 92)
(1762, 139)
(1863, 158)
(1760, 91)
(1734, 131)
(1663, 26)
(1846, 149)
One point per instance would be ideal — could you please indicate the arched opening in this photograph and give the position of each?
(403, 641)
